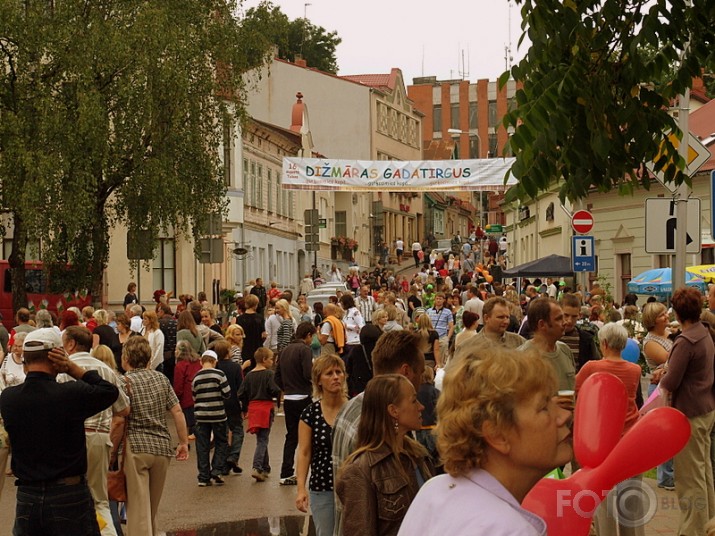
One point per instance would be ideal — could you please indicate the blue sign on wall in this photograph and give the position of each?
(583, 254)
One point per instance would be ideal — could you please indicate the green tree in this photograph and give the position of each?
(113, 112)
(297, 37)
(598, 81)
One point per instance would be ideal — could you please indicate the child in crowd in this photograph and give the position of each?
(187, 365)
(209, 387)
(428, 395)
(256, 395)
(234, 375)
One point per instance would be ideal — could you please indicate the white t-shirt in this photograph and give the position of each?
(399, 244)
(416, 246)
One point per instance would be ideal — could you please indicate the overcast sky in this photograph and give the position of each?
(448, 38)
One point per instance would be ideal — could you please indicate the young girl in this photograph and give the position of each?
(256, 395)
(235, 336)
(187, 365)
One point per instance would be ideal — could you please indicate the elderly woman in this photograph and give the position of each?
(148, 448)
(689, 378)
(12, 371)
(499, 431)
(612, 338)
(378, 482)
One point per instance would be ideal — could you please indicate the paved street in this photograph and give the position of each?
(186, 509)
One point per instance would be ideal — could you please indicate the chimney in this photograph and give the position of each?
(296, 114)
(300, 61)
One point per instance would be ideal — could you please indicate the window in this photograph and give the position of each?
(253, 185)
(341, 223)
(244, 179)
(259, 184)
(492, 145)
(493, 119)
(279, 196)
(473, 115)
(437, 119)
(290, 205)
(227, 153)
(163, 271)
(455, 116)
(474, 147)
(624, 268)
(439, 222)
(32, 251)
(269, 204)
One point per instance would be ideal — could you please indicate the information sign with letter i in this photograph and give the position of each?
(583, 255)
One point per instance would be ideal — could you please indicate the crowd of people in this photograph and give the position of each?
(417, 404)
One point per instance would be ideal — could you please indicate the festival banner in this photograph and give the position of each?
(487, 174)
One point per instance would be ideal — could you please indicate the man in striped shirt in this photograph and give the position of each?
(366, 304)
(209, 388)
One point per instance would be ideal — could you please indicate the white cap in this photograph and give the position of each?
(210, 353)
(48, 338)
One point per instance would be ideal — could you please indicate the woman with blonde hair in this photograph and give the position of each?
(378, 481)
(235, 336)
(431, 338)
(499, 431)
(105, 355)
(155, 336)
(315, 445)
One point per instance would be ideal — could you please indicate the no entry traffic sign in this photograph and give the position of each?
(582, 221)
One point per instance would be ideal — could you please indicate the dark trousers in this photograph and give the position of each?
(293, 410)
(55, 511)
(415, 255)
(216, 466)
(190, 419)
(235, 426)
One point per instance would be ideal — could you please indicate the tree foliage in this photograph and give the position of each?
(297, 37)
(598, 81)
(111, 112)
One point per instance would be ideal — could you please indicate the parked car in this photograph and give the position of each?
(323, 293)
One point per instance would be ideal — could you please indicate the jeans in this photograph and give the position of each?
(260, 457)
(55, 511)
(293, 410)
(235, 426)
(322, 508)
(664, 472)
(203, 449)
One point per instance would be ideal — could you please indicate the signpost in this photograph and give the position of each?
(661, 222)
(583, 255)
(696, 155)
(582, 221)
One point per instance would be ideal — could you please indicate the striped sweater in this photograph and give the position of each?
(209, 389)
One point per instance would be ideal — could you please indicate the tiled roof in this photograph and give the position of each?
(373, 80)
(702, 124)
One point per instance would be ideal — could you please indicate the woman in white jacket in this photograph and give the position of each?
(155, 337)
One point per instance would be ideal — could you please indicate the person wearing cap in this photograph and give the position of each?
(209, 388)
(77, 342)
(52, 492)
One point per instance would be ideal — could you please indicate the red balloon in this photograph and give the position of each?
(599, 417)
(568, 505)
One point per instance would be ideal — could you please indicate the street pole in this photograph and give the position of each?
(315, 250)
(681, 196)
